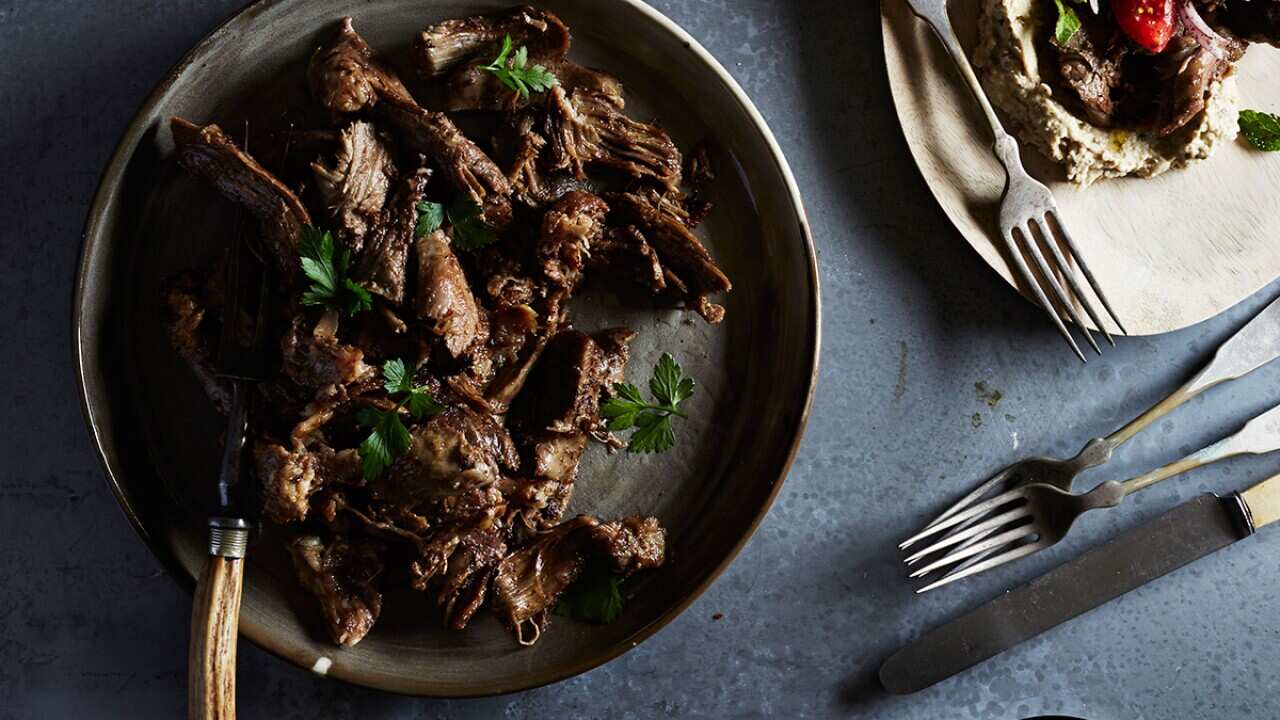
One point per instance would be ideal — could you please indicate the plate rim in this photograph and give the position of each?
(92, 235)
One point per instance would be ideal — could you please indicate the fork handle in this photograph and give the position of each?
(934, 12)
(1255, 345)
(1259, 436)
(215, 624)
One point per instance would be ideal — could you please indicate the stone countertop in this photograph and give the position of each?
(934, 374)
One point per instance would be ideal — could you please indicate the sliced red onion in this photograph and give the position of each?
(1200, 30)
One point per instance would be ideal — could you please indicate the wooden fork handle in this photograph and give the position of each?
(215, 626)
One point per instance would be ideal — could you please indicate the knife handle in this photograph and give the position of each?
(215, 624)
(1263, 502)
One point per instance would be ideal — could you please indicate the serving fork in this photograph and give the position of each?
(1029, 212)
(242, 360)
(1033, 517)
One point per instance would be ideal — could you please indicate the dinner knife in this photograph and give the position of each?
(1177, 538)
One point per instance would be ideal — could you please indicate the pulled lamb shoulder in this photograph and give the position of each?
(1091, 65)
(450, 454)
(530, 581)
(623, 254)
(569, 229)
(209, 154)
(346, 79)
(587, 128)
(315, 358)
(677, 247)
(567, 383)
(354, 188)
(445, 45)
(343, 575)
(192, 336)
(444, 296)
(1187, 71)
(471, 87)
(382, 267)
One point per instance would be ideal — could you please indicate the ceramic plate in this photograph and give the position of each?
(153, 427)
(1169, 251)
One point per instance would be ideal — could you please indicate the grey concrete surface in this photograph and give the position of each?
(90, 627)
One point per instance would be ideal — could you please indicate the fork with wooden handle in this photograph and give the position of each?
(1027, 210)
(1033, 517)
(215, 614)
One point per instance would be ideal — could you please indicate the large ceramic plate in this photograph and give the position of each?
(1169, 251)
(756, 371)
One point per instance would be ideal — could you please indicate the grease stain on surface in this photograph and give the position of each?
(900, 388)
(991, 397)
(976, 420)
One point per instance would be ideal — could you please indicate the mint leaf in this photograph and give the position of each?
(1261, 129)
(1068, 23)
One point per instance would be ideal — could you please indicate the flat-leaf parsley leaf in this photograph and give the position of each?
(388, 437)
(430, 218)
(514, 70)
(326, 266)
(652, 420)
(595, 597)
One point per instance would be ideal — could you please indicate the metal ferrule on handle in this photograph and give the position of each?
(228, 537)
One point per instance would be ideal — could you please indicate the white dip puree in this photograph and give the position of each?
(1008, 61)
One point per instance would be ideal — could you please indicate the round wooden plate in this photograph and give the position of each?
(1169, 251)
(153, 428)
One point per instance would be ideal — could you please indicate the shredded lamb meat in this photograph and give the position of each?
(465, 344)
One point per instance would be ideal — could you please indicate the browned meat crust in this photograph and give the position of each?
(343, 576)
(382, 266)
(530, 581)
(677, 246)
(443, 46)
(191, 336)
(586, 127)
(354, 188)
(209, 154)
(472, 88)
(444, 296)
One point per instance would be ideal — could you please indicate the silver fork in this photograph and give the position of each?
(1032, 517)
(1251, 347)
(1028, 210)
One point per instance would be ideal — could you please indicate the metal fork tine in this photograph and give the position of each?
(1050, 223)
(958, 518)
(973, 534)
(956, 556)
(1027, 277)
(1009, 556)
(1088, 274)
(969, 499)
(1033, 247)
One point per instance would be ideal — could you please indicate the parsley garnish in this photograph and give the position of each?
(595, 597)
(389, 438)
(430, 218)
(653, 420)
(469, 229)
(1262, 130)
(327, 268)
(516, 74)
(1068, 23)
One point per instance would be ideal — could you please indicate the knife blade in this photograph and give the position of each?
(1183, 535)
